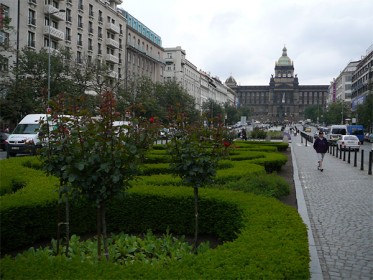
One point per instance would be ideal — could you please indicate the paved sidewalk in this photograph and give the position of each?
(338, 208)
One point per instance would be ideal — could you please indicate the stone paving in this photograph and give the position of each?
(339, 205)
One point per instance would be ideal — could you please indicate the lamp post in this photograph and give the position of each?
(49, 54)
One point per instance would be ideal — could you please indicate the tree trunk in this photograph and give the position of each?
(67, 224)
(196, 218)
(59, 218)
(99, 233)
(103, 217)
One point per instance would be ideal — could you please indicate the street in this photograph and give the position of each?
(367, 147)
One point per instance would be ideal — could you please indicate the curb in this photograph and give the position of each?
(315, 268)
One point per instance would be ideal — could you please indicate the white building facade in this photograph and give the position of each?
(98, 30)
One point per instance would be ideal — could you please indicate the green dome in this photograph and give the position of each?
(284, 60)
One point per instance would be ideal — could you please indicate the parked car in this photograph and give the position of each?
(307, 129)
(336, 133)
(366, 136)
(349, 141)
(3, 137)
(323, 129)
(371, 138)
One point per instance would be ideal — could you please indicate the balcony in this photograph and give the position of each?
(113, 74)
(54, 12)
(55, 33)
(112, 27)
(32, 3)
(112, 58)
(51, 50)
(112, 43)
(169, 60)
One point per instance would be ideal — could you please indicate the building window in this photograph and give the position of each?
(4, 62)
(99, 32)
(100, 19)
(90, 47)
(31, 17)
(80, 4)
(80, 42)
(31, 39)
(90, 27)
(90, 10)
(4, 38)
(80, 21)
(68, 34)
(79, 57)
(68, 15)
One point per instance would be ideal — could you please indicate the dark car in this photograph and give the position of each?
(3, 137)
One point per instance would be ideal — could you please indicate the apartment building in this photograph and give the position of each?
(343, 83)
(89, 30)
(144, 52)
(100, 30)
(362, 79)
(200, 85)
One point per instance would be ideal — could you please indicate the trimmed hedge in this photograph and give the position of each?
(281, 146)
(263, 238)
(271, 241)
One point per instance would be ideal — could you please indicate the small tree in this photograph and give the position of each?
(102, 159)
(195, 151)
(54, 156)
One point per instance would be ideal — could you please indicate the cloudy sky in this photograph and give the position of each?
(244, 38)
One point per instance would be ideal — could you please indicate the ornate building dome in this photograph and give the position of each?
(231, 81)
(284, 60)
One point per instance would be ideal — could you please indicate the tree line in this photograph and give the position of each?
(339, 111)
(25, 90)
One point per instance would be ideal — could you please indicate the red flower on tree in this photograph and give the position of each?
(151, 120)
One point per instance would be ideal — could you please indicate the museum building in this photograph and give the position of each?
(283, 99)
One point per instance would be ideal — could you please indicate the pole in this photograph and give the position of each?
(49, 58)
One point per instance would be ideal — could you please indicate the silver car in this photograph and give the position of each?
(349, 142)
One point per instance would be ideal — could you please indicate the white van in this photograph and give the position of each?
(336, 131)
(25, 137)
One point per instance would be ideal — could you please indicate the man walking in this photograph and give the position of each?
(321, 146)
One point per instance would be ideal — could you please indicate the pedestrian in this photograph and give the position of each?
(243, 134)
(321, 146)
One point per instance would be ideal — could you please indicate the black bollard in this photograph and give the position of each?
(344, 154)
(362, 160)
(340, 153)
(306, 141)
(355, 159)
(370, 163)
(349, 155)
(333, 150)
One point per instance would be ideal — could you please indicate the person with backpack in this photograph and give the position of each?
(321, 146)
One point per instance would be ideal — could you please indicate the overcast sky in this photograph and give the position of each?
(244, 38)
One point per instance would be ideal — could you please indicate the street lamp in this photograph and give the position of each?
(49, 53)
